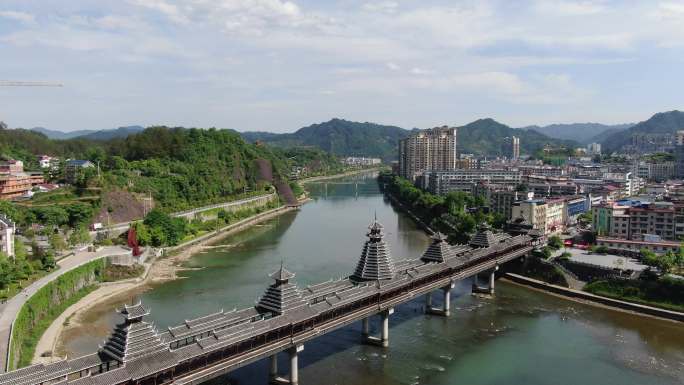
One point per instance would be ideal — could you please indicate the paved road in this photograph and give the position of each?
(10, 309)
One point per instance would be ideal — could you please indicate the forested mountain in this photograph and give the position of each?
(340, 137)
(56, 134)
(180, 167)
(486, 136)
(583, 133)
(345, 138)
(660, 123)
(120, 132)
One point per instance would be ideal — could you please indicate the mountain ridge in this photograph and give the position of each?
(583, 133)
(347, 138)
(668, 122)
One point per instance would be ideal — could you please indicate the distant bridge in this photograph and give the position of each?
(283, 320)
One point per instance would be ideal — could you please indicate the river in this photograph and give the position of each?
(518, 337)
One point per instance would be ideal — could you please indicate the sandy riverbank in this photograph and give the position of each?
(160, 270)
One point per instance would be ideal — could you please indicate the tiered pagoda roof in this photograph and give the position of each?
(484, 237)
(375, 262)
(439, 250)
(134, 337)
(282, 296)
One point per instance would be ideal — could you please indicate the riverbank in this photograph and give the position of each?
(594, 300)
(162, 269)
(341, 175)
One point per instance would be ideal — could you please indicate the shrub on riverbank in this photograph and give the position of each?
(666, 293)
(533, 267)
(47, 304)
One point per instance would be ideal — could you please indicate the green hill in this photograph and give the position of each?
(581, 132)
(340, 137)
(345, 138)
(486, 136)
(660, 123)
(181, 168)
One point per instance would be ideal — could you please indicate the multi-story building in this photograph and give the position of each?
(541, 170)
(656, 218)
(679, 154)
(14, 182)
(433, 149)
(576, 206)
(655, 171)
(501, 197)
(547, 215)
(594, 148)
(442, 182)
(11, 166)
(512, 147)
(7, 229)
(635, 220)
(361, 161)
(554, 188)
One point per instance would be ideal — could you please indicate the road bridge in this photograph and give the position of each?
(284, 318)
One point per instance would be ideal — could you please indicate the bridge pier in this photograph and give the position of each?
(446, 303)
(383, 340)
(489, 289)
(293, 379)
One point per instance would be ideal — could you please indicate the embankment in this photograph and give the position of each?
(47, 304)
(593, 299)
(341, 175)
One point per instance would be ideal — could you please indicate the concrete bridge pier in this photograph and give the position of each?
(489, 289)
(383, 340)
(293, 379)
(445, 311)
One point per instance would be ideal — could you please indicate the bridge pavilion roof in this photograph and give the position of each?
(375, 262)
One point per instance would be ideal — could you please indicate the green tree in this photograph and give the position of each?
(79, 236)
(57, 242)
(48, 260)
(555, 242)
(19, 249)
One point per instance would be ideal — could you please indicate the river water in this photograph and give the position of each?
(518, 337)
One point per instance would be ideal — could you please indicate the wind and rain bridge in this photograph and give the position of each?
(284, 318)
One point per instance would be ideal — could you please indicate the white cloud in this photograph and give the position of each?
(23, 17)
(393, 66)
(570, 8)
(169, 10)
(381, 6)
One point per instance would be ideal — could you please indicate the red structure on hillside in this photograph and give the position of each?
(133, 241)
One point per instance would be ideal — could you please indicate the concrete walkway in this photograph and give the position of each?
(10, 309)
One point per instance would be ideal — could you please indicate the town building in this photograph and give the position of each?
(356, 161)
(679, 154)
(14, 182)
(443, 182)
(74, 168)
(512, 147)
(655, 171)
(433, 149)
(639, 220)
(633, 248)
(594, 148)
(7, 230)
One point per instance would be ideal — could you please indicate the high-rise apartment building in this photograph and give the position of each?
(512, 147)
(679, 154)
(433, 149)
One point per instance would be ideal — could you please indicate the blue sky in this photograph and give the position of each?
(278, 65)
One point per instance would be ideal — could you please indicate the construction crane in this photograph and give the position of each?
(10, 83)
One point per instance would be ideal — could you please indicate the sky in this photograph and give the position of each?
(278, 65)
